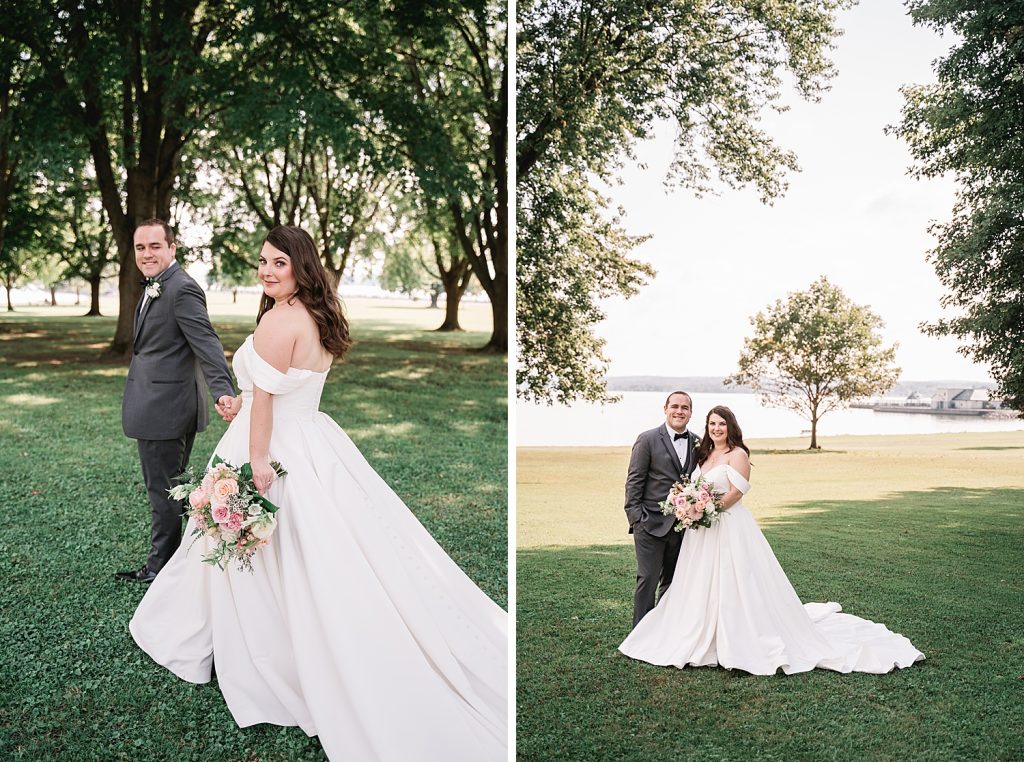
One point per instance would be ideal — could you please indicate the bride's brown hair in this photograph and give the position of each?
(312, 288)
(733, 433)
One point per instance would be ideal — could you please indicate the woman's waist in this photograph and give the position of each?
(292, 404)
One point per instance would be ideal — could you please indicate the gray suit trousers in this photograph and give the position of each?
(656, 559)
(162, 460)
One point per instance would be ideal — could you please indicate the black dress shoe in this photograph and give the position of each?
(141, 575)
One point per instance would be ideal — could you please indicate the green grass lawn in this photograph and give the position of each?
(429, 413)
(924, 534)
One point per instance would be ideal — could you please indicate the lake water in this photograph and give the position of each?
(585, 424)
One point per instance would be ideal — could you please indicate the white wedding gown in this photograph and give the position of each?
(355, 625)
(730, 604)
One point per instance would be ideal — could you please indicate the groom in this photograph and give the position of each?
(660, 457)
(176, 355)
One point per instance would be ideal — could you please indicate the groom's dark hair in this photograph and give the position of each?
(678, 391)
(168, 233)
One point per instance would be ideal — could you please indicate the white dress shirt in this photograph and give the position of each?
(680, 444)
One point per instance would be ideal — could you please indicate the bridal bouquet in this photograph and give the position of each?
(694, 502)
(226, 506)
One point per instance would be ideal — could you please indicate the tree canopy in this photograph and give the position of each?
(968, 124)
(594, 78)
(303, 113)
(815, 352)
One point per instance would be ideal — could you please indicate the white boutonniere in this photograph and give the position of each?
(153, 289)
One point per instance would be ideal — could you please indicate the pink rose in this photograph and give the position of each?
(197, 498)
(234, 522)
(220, 513)
(223, 488)
(695, 511)
(704, 496)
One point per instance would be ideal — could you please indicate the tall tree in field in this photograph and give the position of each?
(13, 75)
(137, 80)
(31, 147)
(310, 162)
(435, 77)
(594, 78)
(31, 234)
(815, 352)
(90, 251)
(453, 271)
(968, 124)
(460, 79)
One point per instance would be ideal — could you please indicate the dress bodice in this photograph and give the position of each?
(723, 477)
(296, 393)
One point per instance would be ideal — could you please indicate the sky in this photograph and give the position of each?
(852, 213)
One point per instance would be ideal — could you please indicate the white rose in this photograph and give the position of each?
(263, 530)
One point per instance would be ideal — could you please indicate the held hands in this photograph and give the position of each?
(228, 407)
(263, 474)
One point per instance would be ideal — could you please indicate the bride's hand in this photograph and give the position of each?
(263, 474)
(229, 407)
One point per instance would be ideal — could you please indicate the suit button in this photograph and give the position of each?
(135, 352)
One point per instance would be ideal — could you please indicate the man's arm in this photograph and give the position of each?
(636, 479)
(194, 321)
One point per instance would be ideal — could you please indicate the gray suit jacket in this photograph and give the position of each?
(653, 468)
(176, 355)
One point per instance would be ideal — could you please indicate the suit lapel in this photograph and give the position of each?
(691, 452)
(667, 441)
(139, 315)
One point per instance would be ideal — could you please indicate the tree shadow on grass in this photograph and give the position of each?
(941, 566)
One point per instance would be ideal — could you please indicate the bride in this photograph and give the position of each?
(730, 603)
(354, 625)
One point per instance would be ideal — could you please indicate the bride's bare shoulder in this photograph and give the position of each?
(274, 338)
(738, 459)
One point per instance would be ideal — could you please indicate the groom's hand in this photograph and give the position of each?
(228, 407)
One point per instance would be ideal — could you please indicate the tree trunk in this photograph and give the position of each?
(499, 309)
(496, 285)
(147, 197)
(78, 295)
(53, 296)
(94, 296)
(455, 282)
(434, 295)
(8, 282)
(234, 295)
(129, 291)
(451, 315)
(814, 432)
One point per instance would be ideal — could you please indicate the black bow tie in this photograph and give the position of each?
(147, 281)
(677, 436)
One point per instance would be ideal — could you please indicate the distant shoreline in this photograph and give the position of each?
(716, 385)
